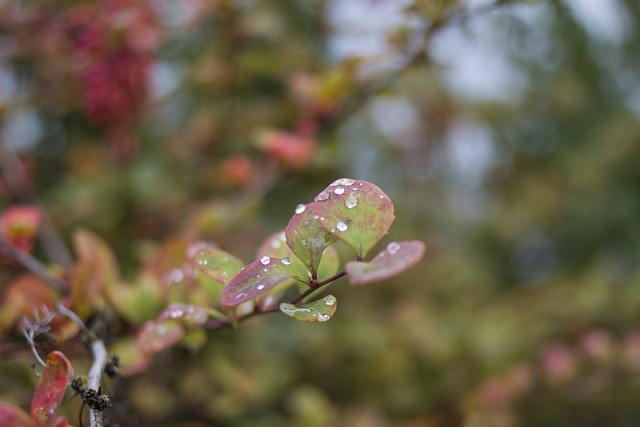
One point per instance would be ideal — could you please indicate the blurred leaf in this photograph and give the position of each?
(154, 337)
(317, 311)
(137, 302)
(395, 259)
(95, 271)
(14, 416)
(51, 388)
(256, 279)
(23, 296)
(216, 263)
(306, 237)
(356, 212)
(189, 315)
(19, 226)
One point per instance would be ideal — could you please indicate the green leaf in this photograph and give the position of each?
(395, 259)
(317, 311)
(307, 238)
(216, 263)
(154, 337)
(256, 279)
(51, 388)
(357, 212)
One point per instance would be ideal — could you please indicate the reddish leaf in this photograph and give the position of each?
(395, 259)
(188, 315)
(291, 149)
(307, 238)
(158, 336)
(13, 416)
(356, 212)
(60, 422)
(51, 388)
(256, 279)
(19, 225)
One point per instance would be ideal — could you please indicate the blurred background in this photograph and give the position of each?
(507, 134)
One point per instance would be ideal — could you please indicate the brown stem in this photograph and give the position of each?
(32, 264)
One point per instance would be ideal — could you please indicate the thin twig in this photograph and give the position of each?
(31, 264)
(99, 352)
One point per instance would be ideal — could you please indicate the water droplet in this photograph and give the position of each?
(265, 260)
(316, 217)
(286, 260)
(260, 287)
(176, 275)
(321, 197)
(381, 196)
(265, 270)
(323, 317)
(339, 190)
(343, 181)
(241, 295)
(351, 202)
(300, 209)
(330, 300)
(275, 243)
(393, 248)
(175, 313)
(342, 226)
(202, 262)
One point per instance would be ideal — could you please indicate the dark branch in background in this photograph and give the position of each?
(361, 96)
(16, 177)
(32, 264)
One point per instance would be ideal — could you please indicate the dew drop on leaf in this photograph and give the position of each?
(286, 260)
(351, 202)
(342, 226)
(321, 197)
(265, 260)
(393, 248)
(339, 190)
(300, 209)
(343, 181)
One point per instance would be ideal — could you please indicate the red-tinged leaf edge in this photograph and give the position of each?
(256, 279)
(396, 258)
(51, 388)
(14, 416)
(356, 212)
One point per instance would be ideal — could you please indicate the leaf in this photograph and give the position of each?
(317, 311)
(216, 263)
(19, 226)
(256, 279)
(307, 238)
(23, 295)
(95, 271)
(14, 416)
(395, 259)
(154, 337)
(175, 324)
(51, 388)
(357, 212)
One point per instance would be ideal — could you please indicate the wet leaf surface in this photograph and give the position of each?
(318, 311)
(306, 237)
(51, 388)
(396, 258)
(256, 279)
(357, 212)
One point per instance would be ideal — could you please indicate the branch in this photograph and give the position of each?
(361, 96)
(31, 264)
(99, 352)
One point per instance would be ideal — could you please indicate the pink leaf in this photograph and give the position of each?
(13, 416)
(395, 259)
(51, 388)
